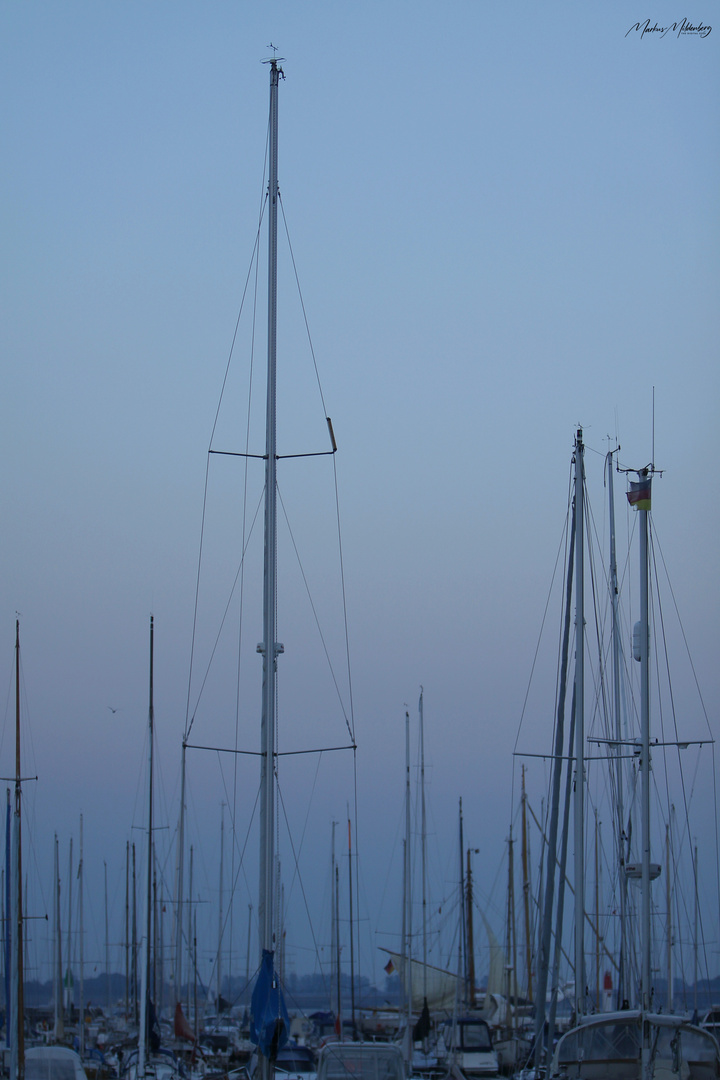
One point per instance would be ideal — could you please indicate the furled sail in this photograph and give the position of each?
(442, 986)
(497, 962)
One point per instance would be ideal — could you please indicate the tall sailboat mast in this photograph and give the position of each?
(423, 842)
(58, 980)
(143, 1035)
(269, 647)
(17, 1064)
(620, 811)
(407, 904)
(180, 865)
(579, 807)
(270, 1022)
(221, 913)
(639, 497)
(81, 890)
(645, 755)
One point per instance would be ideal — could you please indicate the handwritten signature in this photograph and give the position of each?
(684, 27)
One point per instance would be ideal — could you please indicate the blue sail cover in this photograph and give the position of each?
(269, 1020)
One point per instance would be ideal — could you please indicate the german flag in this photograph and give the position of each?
(639, 495)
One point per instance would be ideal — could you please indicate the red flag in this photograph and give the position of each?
(389, 967)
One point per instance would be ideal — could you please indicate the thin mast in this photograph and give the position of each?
(579, 808)
(619, 824)
(18, 965)
(107, 944)
(220, 910)
(695, 935)
(69, 981)
(145, 988)
(8, 932)
(82, 946)
(668, 896)
(562, 882)
(177, 974)
(133, 949)
(645, 754)
(470, 935)
(352, 951)
(550, 872)
(597, 912)
(526, 890)
(407, 909)
(510, 937)
(407, 943)
(423, 844)
(639, 496)
(127, 931)
(247, 957)
(269, 647)
(332, 916)
(59, 1018)
(463, 924)
(338, 1017)
(192, 958)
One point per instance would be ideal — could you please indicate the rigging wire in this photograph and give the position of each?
(686, 805)
(315, 616)
(296, 852)
(351, 724)
(225, 615)
(238, 582)
(188, 721)
(302, 304)
(561, 551)
(337, 497)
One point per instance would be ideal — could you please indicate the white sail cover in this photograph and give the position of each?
(442, 986)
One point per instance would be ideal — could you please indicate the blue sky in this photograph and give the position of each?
(505, 222)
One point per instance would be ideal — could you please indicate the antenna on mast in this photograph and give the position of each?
(275, 59)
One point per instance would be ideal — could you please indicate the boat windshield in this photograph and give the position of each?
(344, 1061)
(294, 1062)
(37, 1069)
(475, 1037)
(684, 1045)
(618, 1041)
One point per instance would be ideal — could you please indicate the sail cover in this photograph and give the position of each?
(269, 1020)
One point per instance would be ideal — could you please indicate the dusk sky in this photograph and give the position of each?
(504, 220)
